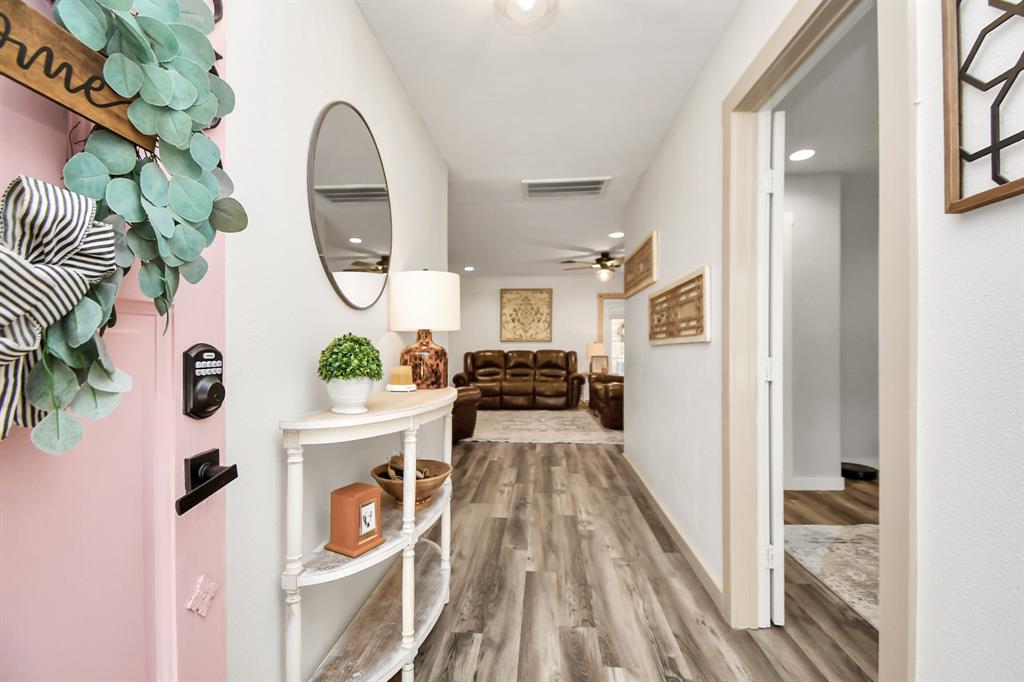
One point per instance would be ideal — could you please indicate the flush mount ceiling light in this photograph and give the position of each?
(526, 16)
(616, 235)
(355, 240)
(801, 155)
(469, 268)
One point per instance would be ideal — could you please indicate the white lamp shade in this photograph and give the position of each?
(424, 299)
(595, 350)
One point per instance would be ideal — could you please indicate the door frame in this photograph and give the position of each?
(804, 29)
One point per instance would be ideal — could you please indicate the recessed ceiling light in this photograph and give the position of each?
(616, 235)
(469, 268)
(355, 240)
(801, 155)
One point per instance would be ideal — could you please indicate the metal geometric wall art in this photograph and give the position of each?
(983, 59)
(526, 314)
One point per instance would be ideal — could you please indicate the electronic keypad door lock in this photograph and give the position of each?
(203, 369)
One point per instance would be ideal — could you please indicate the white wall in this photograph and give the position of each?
(970, 473)
(573, 317)
(286, 61)
(813, 417)
(677, 389)
(859, 318)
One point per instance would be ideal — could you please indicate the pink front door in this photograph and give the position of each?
(97, 571)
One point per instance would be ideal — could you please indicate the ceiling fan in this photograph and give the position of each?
(604, 264)
(381, 266)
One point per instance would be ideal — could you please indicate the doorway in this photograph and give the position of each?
(818, 321)
(805, 29)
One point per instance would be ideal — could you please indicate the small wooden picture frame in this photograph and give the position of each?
(641, 268)
(599, 364)
(355, 519)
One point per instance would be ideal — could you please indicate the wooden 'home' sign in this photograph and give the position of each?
(40, 55)
(679, 312)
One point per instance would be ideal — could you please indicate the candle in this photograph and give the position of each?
(401, 375)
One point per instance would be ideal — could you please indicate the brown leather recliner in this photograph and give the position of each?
(464, 413)
(606, 399)
(523, 379)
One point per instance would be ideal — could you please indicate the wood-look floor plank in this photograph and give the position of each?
(581, 655)
(540, 655)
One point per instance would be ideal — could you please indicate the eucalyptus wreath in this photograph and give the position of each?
(350, 357)
(166, 207)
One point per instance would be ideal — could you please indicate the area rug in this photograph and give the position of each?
(845, 558)
(542, 426)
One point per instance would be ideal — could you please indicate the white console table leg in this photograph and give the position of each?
(409, 553)
(293, 563)
(446, 515)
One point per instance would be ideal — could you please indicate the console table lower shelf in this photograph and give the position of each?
(370, 648)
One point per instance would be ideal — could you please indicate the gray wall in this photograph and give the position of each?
(832, 327)
(812, 333)
(859, 318)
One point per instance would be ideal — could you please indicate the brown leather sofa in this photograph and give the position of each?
(464, 413)
(523, 379)
(606, 396)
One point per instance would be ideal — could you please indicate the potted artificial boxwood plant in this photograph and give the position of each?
(350, 364)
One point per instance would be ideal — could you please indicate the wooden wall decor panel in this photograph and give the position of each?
(39, 54)
(641, 268)
(526, 314)
(679, 312)
(982, 61)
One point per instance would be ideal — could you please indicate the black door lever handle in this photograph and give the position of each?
(203, 477)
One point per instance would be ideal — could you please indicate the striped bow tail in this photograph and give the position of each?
(52, 250)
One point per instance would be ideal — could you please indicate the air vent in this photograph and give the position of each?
(350, 194)
(565, 187)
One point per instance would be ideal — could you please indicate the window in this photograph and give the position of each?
(617, 348)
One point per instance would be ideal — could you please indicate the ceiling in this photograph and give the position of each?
(833, 109)
(589, 95)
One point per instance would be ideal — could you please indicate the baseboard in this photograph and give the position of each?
(815, 483)
(692, 558)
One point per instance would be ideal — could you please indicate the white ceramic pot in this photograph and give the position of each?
(348, 396)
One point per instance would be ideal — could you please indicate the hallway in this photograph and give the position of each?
(566, 570)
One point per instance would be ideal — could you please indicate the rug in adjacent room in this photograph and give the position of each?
(542, 426)
(845, 558)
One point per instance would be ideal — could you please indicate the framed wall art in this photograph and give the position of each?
(983, 60)
(526, 314)
(679, 312)
(641, 268)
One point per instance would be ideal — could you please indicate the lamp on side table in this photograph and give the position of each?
(423, 301)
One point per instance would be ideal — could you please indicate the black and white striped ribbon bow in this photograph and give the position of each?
(51, 252)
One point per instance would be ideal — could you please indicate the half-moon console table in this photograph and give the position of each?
(387, 631)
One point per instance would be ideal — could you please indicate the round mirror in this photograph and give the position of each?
(349, 205)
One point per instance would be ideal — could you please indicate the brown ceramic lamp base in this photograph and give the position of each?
(428, 360)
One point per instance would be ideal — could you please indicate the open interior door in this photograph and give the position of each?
(771, 235)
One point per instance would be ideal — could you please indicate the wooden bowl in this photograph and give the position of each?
(436, 471)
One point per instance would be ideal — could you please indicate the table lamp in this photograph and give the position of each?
(423, 301)
(594, 351)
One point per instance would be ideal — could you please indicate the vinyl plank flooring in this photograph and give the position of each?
(564, 568)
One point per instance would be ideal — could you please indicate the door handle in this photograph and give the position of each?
(204, 476)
